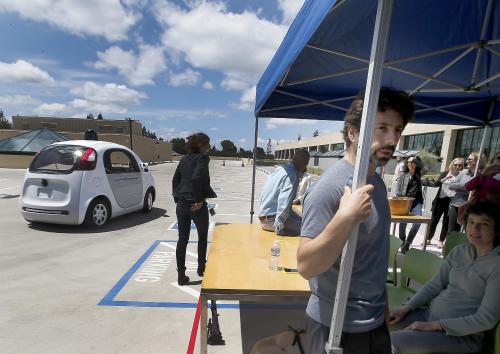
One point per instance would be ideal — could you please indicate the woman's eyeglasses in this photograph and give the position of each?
(456, 165)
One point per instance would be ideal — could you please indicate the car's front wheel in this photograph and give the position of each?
(98, 214)
(148, 201)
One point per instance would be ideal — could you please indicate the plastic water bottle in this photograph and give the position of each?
(274, 260)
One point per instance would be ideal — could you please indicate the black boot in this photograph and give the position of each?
(182, 278)
(201, 269)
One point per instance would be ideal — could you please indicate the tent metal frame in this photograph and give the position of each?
(373, 82)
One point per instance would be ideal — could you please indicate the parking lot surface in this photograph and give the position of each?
(66, 289)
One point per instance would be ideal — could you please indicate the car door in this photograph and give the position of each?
(124, 177)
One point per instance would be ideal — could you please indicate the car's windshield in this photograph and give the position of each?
(57, 159)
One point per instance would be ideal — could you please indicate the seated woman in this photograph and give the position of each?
(463, 296)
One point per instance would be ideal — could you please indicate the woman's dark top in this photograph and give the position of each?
(191, 180)
(414, 190)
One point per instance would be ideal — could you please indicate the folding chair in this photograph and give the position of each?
(394, 245)
(452, 239)
(418, 266)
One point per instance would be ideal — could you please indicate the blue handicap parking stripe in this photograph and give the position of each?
(109, 298)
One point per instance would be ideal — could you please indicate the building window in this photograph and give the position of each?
(338, 146)
(105, 128)
(313, 148)
(26, 126)
(323, 148)
(52, 126)
(119, 130)
(469, 140)
(431, 142)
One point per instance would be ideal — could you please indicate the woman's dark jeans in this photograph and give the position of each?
(441, 207)
(200, 219)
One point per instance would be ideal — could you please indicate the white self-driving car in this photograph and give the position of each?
(85, 181)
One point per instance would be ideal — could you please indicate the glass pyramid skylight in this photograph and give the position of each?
(32, 141)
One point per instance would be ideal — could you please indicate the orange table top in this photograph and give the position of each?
(238, 263)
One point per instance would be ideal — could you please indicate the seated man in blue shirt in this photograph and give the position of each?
(275, 212)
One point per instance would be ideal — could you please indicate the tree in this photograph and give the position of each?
(261, 154)
(90, 116)
(4, 122)
(269, 147)
(299, 137)
(228, 147)
(316, 133)
(99, 116)
(179, 145)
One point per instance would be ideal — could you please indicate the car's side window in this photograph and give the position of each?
(119, 161)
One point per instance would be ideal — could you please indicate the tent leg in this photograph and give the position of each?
(486, 135)
(375, 68)
(254, 168)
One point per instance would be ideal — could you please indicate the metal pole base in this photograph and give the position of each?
(334, 350)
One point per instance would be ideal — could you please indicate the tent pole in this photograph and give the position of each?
(380, 34)
(486, 135)
(254, 168)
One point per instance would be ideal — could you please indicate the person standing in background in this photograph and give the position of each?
(398, 174)
(413, 190)
(441, 202)
(190, 188)
(304, 185)
(457, 185)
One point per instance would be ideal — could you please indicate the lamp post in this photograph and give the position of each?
(130, 120)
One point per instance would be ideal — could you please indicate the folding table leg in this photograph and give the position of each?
(203, 325)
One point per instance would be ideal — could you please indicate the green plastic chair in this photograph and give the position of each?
(394, 245)
(419, 266)
(452, 239)
(491, 341)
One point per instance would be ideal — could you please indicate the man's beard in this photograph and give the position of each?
(380, 161)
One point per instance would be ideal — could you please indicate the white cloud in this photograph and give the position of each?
(188, 77)
(17, 101)
(107, 98)
(50, 109)
(22, 71)
(289, 8)
(167, 133)
(163, 115)
(247, 100)
(214, 129)
(273, 123)
(209, 36)
(243, 141)
(138, 69)
(107, 18)
(207, 85)
(234, 82)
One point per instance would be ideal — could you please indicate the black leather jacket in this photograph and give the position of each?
(191, 180)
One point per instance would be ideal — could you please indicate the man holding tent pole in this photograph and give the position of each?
(330, 213)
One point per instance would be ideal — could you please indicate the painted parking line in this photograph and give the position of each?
(175, 226)
(110, 298)
(1, 189)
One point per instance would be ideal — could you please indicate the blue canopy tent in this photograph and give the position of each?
(445, 53)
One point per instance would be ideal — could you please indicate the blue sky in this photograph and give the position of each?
(177, 66)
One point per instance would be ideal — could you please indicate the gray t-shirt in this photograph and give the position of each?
(367, 295)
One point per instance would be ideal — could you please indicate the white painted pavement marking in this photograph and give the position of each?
(186, 289)
(1, 189)
(189, 253)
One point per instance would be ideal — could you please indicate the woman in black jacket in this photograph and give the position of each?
(190, 188)
(414, 190)
(441, 202)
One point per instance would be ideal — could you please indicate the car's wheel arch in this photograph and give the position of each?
(103, 197)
